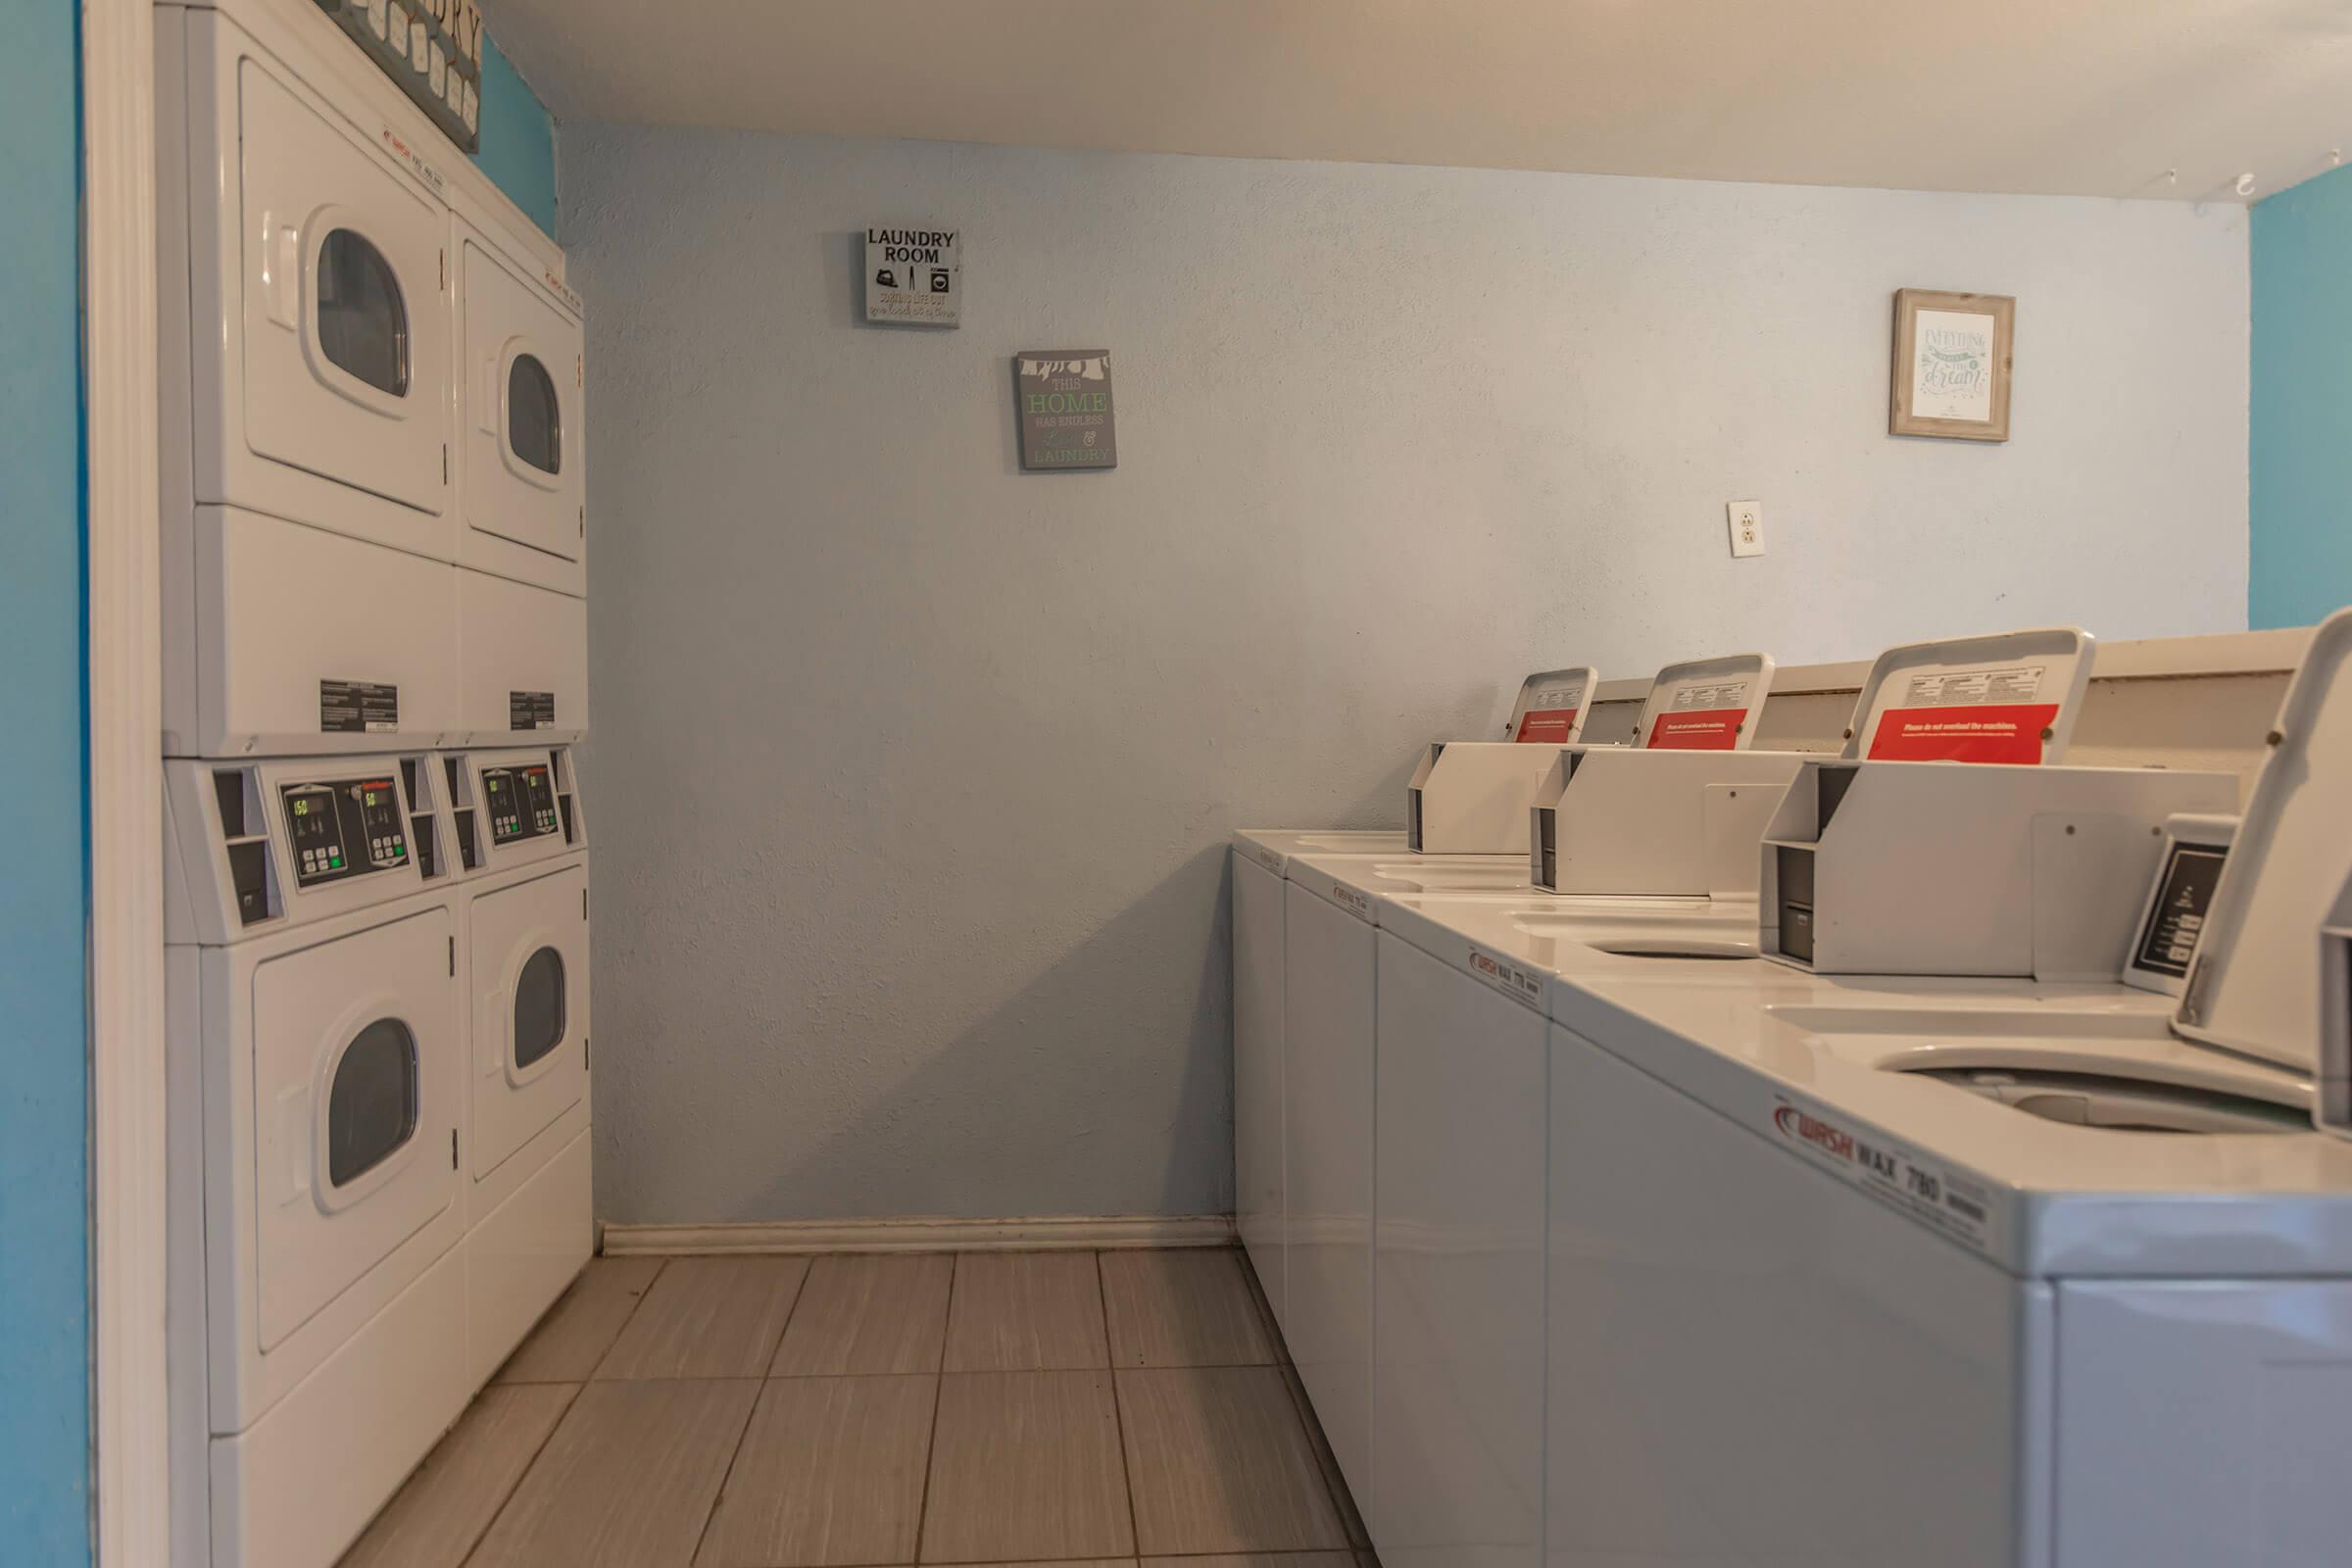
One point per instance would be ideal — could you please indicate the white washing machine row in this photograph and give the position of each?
(1603, 1329)
(1880, 1269)
(1262, 859)
(379, 1120)
(373, 430)
(1412, 1068)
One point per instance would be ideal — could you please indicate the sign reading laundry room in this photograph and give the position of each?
(914, 275)
(432, 48)
(1063, 400)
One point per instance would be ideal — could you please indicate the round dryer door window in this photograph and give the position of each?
(538, 1007)
(534, 421)
(363, 317)
(371, 1106)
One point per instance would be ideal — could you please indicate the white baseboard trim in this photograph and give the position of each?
(1043, 1234)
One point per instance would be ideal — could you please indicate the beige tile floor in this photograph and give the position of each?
(1077, 1408)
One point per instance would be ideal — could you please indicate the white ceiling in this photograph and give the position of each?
(2083, 97)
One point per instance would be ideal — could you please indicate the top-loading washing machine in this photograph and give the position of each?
(520, 850)
(521, 501)
(1333, 908)
(306, 400)
(316, 1064)
(1459, 1019)
(1478, 797)
(1471, 797)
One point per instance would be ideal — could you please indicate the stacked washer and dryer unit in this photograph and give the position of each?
(376, 664)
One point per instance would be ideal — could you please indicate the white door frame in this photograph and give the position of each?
(131, 1488)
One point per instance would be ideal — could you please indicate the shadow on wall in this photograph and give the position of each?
(974, 1088)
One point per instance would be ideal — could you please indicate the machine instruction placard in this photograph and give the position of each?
(914, 274)
(1551, 717)
(1968, 715)
(530, 710)
(1962, 1207)
(358, 707)
(1062, 400)
(1701, 718)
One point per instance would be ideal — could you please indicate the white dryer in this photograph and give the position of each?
(522, 848)
(521, 412)
(316, 1060)
(522, 539)
(304, 335)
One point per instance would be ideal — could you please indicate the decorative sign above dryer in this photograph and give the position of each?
(433, 48)
(1062, 398)
(914, 275)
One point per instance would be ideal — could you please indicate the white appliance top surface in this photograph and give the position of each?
(1543, 936)
(1273, 846)
(1803, 1061)
(1363, 884)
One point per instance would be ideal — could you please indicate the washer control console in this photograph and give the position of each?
(342, 828)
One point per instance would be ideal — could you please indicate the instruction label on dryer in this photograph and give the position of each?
(530, 710)
(1945, 1199)
(358, 707)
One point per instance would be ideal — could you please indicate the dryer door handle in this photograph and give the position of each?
(486, 407)
(281, 272)
(490, 1028)
(294, 1142)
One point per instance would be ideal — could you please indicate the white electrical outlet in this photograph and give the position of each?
(1746, 519)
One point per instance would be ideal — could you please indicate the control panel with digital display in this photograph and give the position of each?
(343, 828)
(521, 801)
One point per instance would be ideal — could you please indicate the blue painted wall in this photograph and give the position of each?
(44, 886)
(519, 139)
(2300, 421)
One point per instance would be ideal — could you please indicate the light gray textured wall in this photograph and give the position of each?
(912, 772)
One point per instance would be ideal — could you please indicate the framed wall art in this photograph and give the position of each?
(1952, 358)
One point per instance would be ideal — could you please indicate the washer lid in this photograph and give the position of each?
(1704, 705)
(2010, 697)
(2254, 985)
(1552, 704)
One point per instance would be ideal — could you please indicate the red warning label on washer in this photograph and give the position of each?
(1977, 733)
(1715, 729)
(1549, 726)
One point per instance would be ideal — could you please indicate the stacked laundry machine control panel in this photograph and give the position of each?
(513, 807)
(373, 538)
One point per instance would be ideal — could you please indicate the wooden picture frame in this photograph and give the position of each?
(1954, 380)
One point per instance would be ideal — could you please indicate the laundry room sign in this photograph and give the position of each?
(1063, 399)
(914, 275)
(432, 48)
